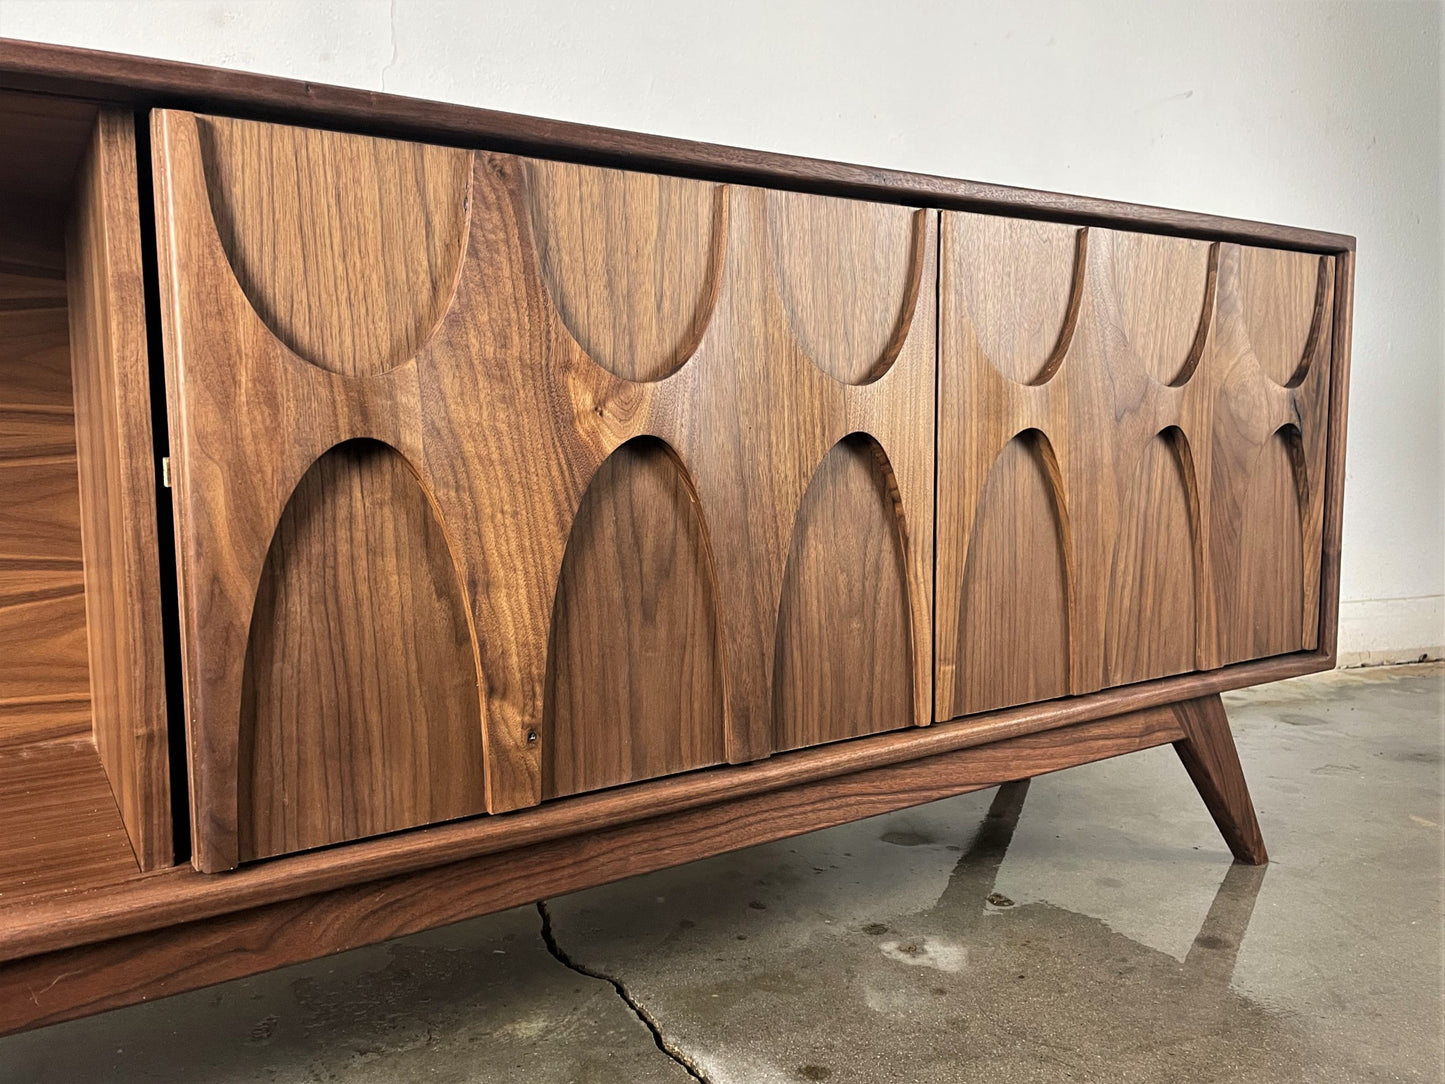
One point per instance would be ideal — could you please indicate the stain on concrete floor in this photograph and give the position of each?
(1087, 926)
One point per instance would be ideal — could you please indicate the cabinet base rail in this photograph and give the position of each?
(52, 986)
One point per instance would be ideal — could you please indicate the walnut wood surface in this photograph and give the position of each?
(1334, 478)
(635, 675)
(504, 421)
(44, 140)
(1209, 756)
(62, 826)
(1132, 441)
(44, 671)
(168, 897)
(111, 375)
(50, 988)
(844, 667)
(346, 247)
(359, 680)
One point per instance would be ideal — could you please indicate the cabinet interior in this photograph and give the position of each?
(65, 779)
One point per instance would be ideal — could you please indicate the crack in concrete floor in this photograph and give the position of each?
(1095, 931)
(549, 938)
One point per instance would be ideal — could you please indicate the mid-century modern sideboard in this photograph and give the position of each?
(408, 511)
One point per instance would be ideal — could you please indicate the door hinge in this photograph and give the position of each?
(166, 471)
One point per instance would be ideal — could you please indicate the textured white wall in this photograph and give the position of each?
(1314, 113)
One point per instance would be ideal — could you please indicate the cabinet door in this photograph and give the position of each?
(499, 480)
(1132, 435)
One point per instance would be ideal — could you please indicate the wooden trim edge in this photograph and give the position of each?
(65, 984)
(143, 82)
(179, 895)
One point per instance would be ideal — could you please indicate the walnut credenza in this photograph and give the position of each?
(408, 511)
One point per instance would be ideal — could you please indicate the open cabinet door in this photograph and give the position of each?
(498, 480)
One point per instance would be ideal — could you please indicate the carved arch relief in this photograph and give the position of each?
(1263, 598)
(1159, 371)
(608, 406)
(834, 257)
(1152, 619)
(635, 673)
(1015, 607)
(843, 659)
(1019, 288)
(632, 261)
(1285, 308)
(1164, 289)
(360, 710)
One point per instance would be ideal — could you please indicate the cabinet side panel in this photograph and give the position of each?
(117, 486)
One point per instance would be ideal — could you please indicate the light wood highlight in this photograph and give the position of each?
(1167, 352)
(118, 477)
(505, 421)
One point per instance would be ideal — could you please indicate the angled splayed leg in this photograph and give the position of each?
(1207, 750)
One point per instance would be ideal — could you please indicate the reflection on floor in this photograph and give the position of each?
(1089, 926)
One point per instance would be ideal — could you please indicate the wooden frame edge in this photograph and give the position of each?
(60, 985)
(145, 83)
(181, 894)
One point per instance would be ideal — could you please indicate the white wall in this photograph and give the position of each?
(1313, 113)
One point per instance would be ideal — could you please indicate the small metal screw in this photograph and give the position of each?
(531, 736)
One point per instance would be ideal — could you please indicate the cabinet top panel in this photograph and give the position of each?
(143, 82)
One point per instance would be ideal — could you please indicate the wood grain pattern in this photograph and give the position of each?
(1152, 625)
(631, 261)
(42, 632)
(843, 661)
(505, 421)
(1212, 762)
(124, 970)
(359, 710)
(1164, 354)
(62, 827)
(1013, 618)
(635, 679)
(110, 371)
(35, 349)
(346, 247)
(44, 672)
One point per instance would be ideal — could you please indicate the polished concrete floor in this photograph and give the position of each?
(1088, 926)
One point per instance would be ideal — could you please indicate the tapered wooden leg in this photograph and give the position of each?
(1211, 760)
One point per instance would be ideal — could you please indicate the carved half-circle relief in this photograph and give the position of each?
(632, 261)
(348, 247)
